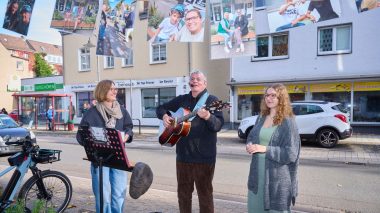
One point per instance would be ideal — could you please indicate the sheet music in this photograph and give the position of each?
(98, 134)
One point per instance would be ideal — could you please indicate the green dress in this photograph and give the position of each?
(256, 201)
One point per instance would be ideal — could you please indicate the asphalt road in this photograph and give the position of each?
(323, 186)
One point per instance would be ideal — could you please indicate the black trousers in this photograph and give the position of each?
(202, 175)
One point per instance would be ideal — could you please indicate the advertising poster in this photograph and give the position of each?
(175, 20)
(365, 5)
(232, 28)
(75, 16)
(287, 14)
(115, 32)
(18, 16)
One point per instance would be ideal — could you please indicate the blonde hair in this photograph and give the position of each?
(101, 90)
(284, 108)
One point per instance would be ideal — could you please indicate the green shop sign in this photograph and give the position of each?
(47, 87)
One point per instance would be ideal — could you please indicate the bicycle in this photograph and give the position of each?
(52, 187)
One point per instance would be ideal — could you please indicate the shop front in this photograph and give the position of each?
(139, 97)
(360, 98)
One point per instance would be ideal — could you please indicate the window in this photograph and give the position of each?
(82, 99)
(272, 47)
(84, 59)
(127, 62)
(306, 109)
(158, 53)
(20, 65)
(109, 62)
(248, 105)
(260, 3)
(152, 98)
(334, 40)
(366, 106)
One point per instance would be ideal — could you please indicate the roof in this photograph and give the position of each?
(14, 43)
(41, 47)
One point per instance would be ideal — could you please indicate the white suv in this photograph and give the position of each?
(320, 121)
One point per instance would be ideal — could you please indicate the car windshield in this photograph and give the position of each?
(7, 122)
(340, 108)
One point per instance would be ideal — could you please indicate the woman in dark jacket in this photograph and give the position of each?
(108, 114)
(241, 29)
(274, 143)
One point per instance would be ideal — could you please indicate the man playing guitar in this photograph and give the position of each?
(196, 153)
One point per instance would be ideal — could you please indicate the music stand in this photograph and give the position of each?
(104, 147)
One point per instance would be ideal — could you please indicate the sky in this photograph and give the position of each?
(39, 28)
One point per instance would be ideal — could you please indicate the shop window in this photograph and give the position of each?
(248, 105)
(20, 66)
(366, 106)
(340, 97)
(272, 47)
(152, 98)
(334, 40)
(120, 97)
(158, 53)
(109, 62)
(260, 3)
(84, 59)
(127, 62)
(83, 99)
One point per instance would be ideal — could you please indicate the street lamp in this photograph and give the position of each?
(90, 45)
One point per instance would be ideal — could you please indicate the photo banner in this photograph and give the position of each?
(75, 16)
(18, 15)
(366, 5)
(115, 33)
(176, 20)
(232, 28)
(287, 14)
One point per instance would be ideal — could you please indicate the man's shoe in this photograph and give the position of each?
(226, 49)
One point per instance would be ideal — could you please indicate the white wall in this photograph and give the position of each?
(303, 62)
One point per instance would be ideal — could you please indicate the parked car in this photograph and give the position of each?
(320, 121)
(9, 127)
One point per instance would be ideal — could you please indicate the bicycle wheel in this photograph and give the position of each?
(58, 191)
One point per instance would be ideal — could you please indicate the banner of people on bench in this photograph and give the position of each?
(232, 22)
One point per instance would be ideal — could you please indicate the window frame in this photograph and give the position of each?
(334, 40)
(270, 48)
(86, 54)
(151, 53)
(124, 65)
(107, 65)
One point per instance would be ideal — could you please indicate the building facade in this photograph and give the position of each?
(156, 74)
(335, 60)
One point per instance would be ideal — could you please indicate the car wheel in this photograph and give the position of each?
(327, 138)
(248, 131)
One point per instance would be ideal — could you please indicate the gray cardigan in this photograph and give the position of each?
(281, 163)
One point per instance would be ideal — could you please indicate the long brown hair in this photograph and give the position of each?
(284, 108)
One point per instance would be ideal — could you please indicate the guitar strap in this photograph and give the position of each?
(201, 102)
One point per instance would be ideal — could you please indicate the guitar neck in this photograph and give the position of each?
(187, 117)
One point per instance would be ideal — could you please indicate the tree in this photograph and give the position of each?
(41, 67)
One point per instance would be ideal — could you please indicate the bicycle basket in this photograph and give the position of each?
(47, 156)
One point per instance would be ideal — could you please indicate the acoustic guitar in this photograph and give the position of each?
(180, 125)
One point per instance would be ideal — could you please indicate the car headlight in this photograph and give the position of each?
(32, 135)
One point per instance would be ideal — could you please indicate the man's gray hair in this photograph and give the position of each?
(195, 71)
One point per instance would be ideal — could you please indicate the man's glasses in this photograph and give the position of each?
(196, 79)
(271, 96)
(192, 18)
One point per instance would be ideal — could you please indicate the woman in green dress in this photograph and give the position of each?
(274, 144)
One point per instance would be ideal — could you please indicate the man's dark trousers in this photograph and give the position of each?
(202, 175)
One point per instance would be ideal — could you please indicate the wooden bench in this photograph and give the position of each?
(218, 39)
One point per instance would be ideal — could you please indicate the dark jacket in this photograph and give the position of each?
(281, 164)
(129, 20)
(242, 23)
(200, 145)
(93, 118)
